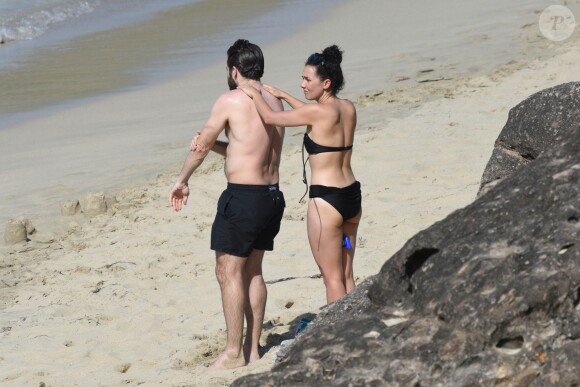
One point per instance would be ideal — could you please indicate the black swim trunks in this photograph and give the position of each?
(347, 201)
(248, 217)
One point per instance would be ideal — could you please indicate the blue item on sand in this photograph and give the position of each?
(302, 325)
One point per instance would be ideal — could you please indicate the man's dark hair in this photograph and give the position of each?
(247, 58)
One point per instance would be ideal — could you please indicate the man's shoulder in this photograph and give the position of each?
(232, 96)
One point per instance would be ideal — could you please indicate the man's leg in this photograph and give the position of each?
(229, 273)
(256, 295)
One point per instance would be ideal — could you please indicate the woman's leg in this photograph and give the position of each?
(324, 225)
(350, 228)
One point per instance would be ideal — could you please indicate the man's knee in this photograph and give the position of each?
(220, 273)
(228, 266)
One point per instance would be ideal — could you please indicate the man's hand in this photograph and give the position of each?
(194, 145)
(178, 196)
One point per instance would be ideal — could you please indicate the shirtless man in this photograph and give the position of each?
(249, 211)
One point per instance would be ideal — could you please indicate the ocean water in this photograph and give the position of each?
(55, 53)
(30, 19)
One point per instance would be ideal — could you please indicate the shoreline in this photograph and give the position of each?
(130, 297)
(52, 73)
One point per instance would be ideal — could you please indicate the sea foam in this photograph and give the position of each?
(26, 20)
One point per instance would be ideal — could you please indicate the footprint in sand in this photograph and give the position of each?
(208, 348)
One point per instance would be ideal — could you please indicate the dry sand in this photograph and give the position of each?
(130, 297)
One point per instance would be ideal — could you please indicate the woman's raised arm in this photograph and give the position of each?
(292, 101)
(304, 115)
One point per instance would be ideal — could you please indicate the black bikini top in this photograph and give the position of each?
(313, 148)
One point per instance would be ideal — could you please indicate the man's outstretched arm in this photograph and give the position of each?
(180, 191)
(204, 141)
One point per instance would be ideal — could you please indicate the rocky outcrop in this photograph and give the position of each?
(535, 125)
(488, 296)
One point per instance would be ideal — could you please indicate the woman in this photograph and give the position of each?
(334, 208)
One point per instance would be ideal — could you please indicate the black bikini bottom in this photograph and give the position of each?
(347, 200)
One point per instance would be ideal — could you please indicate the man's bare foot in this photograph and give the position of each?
(251, 356)
(226, 362)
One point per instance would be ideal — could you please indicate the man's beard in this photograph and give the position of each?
(231, 82)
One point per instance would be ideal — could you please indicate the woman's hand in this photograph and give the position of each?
(274, 91)
(249, 90)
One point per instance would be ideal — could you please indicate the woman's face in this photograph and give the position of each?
(311, 83)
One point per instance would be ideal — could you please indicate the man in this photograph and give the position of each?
(249, 211)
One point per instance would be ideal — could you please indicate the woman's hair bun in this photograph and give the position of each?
(332, 54)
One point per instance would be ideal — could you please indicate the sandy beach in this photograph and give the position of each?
(130, 297)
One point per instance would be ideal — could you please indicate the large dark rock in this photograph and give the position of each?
(488, 296)
(535, 125)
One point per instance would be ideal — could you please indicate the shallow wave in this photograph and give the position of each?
(35, 22)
